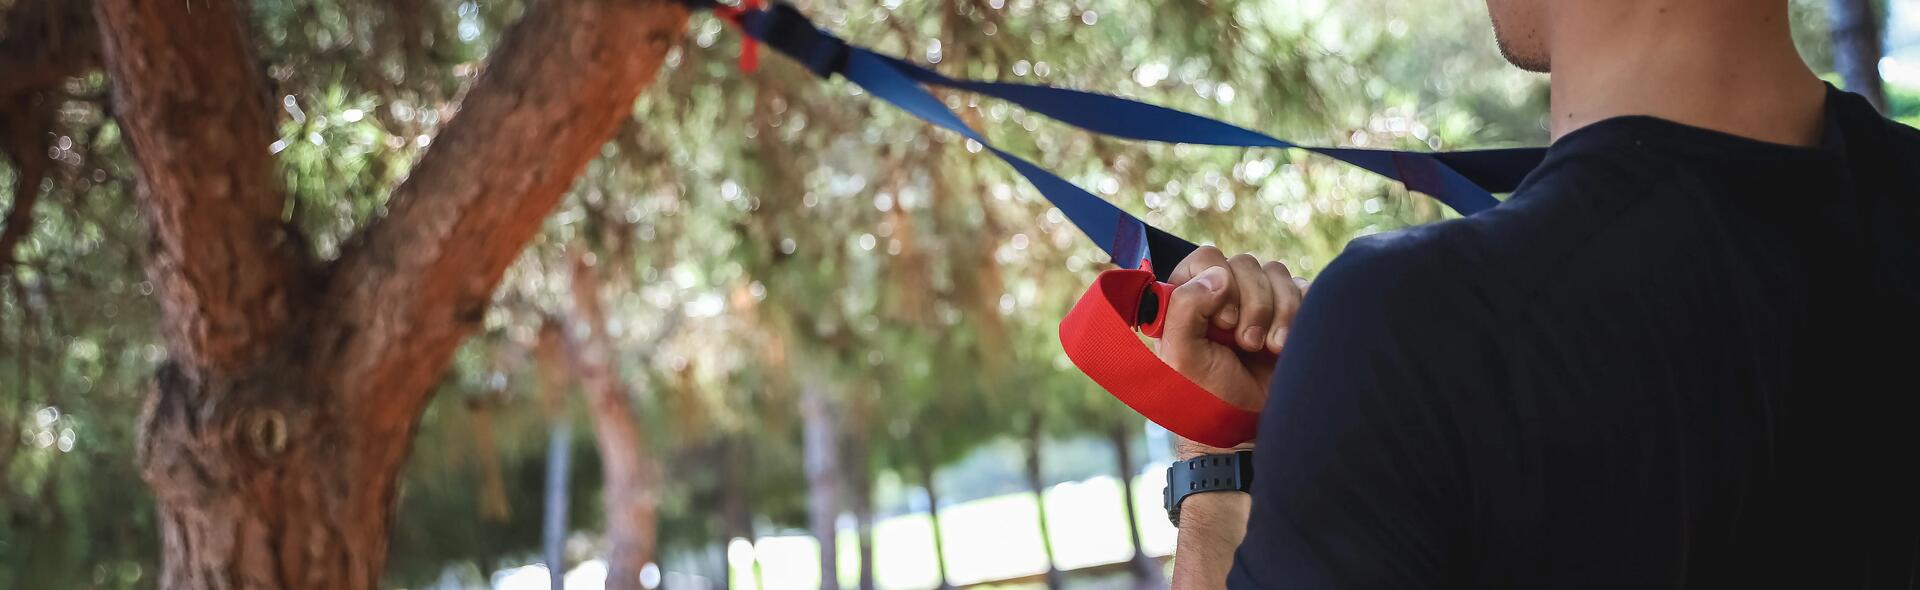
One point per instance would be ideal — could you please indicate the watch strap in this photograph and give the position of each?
(1231, 472)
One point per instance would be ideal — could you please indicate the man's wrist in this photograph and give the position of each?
(1218, 516)
(1211, 527)
(1184, 449)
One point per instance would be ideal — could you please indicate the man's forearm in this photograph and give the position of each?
(1211, 526)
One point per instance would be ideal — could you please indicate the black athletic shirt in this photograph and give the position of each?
(1673, 358)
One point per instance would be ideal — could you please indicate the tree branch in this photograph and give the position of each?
(414, 284)
(24, 143)
(45, 42)
(189, 99)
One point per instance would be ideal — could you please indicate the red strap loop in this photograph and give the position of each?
(1098, 335)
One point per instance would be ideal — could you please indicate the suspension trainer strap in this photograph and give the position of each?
(1099, 333)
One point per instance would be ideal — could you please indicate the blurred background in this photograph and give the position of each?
(826, 328)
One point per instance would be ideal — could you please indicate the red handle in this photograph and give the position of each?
(1153, 305)
(1098, 335)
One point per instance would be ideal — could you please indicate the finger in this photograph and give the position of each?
(1201, 259)
(1286, 303)
(1256, 302)
(1193, 305)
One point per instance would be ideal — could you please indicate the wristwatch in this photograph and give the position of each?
(1206, 473)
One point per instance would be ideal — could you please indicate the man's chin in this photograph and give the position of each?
(1536, 63)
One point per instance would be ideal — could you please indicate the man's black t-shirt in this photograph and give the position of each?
(1674, 358)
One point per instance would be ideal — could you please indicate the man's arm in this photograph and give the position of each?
(1211, 527)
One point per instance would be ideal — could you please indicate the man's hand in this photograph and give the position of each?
(1255, 301)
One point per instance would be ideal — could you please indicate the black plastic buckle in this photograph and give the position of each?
(789, 32)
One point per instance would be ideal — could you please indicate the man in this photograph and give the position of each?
(1682, 354)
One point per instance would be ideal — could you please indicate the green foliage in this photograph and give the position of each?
(1903, 104)
(77, 344)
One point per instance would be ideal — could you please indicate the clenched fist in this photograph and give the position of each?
(1255, 301)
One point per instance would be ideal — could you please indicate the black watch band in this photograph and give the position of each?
(1207, 473)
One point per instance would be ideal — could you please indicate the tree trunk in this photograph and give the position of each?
(823, 471)
(1141, 566)
(256, 488)
(1858, 47)
(862, 475)
(553, 530)
(735, 511)
(261, 479)
(1036, 483)
(933, 515)
(550, 363)
(631, 475)
(274, 435)
(493, 481)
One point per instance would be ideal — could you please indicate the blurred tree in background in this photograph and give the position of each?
(751, 303)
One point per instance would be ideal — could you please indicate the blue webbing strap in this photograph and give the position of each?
(1463, 180)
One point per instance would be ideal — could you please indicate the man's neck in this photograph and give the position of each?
(1723, 65)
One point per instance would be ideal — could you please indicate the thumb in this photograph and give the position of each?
(1194, 303)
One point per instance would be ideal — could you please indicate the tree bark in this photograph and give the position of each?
(1141, 567)
(255, 488)
(818, 435)
(926, 469)
(1858, 47)
(230, 275)
(274, 435)
(1037, 483)
(632, 477)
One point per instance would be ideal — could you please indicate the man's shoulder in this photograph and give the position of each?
(1480, 267)
(1888, 147)
(1419, 274)
(1498, 251)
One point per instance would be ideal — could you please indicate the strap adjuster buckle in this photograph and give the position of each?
(783, 28)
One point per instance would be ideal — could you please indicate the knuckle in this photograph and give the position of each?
(1260, 319)
(1246, 259)
(1286, 310)
(1290, 299)
(1259, 307)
